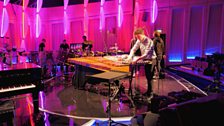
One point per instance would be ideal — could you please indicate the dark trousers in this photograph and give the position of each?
(162, 64)
(149, 73)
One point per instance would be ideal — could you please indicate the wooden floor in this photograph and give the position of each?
(63, 105)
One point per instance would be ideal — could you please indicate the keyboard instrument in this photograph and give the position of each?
(107, 63)
(17, 79)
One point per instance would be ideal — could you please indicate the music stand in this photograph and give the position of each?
(109, 77)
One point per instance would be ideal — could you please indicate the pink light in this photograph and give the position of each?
(25, 3)
(5, 22)
(65, 23)
(85, 3)
(65, 4)
(23, 24)
(85, 13)
(101, 18)
(38, 25)
(39, 5)
(5, 2)
(102, 2)
(120, 15)
(85, 22)
(23, 18)
(136, 14)
(154, 11)
(38, 21)
(85, 18)
(102, 15)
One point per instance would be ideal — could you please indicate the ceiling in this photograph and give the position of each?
(52, 3)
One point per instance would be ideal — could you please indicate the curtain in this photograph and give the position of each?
(57, 35)
(97, 36)
(111, 31)
(77, 32)
(126, 33)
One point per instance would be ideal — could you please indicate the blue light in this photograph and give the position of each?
(207, 53)
(175, 60)
(175, 56)
(210, 51)
(190, 57)
(192, 54)
(14, 62)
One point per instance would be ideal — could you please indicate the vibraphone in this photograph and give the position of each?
(93, 65)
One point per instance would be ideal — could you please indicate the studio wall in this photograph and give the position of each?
(213, 43)
(194, 41)
(76, 31)
(177, 36)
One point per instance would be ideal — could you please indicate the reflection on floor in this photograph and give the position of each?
(61, 104)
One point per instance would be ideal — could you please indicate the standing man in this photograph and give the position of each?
(42, 52)
(64, 47)
(43, 57)
(137, 53)
(42, 45)
(147, 54)
(160, 52)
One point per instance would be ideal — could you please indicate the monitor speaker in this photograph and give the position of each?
(145, 16)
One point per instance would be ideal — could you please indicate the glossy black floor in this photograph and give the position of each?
(63, 105)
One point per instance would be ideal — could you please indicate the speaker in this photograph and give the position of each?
(145, 16)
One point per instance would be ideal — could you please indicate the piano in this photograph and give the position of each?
(17, 79)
